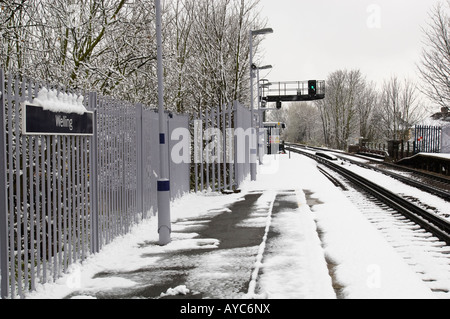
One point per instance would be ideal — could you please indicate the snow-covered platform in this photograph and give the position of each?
(433, 162)
(290, 235)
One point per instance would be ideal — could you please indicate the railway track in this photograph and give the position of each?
(438, 191)
(420, 237)
(430, 183)
(432, 223)
(428, 257)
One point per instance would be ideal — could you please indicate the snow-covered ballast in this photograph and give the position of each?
(53, 113)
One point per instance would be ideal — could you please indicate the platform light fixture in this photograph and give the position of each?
(262, 31)
(261, 87)
(253, 148)
(265, 67)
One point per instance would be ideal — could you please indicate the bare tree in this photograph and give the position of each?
(325, 121)
(367, 102)
(183, 19)
(99, 45)
(339, 110)
(434, 68)
(109, 46)
(220, 42)
(400, 108)
(303, 123)
(17, 23)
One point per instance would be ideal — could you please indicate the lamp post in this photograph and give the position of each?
(163, 197)
(264, 84)
(265, 67)
(259, 124)
(253, 150)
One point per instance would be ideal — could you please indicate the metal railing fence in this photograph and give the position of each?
(46, 214)
(63, 197)
(221, 155)
(427, 139)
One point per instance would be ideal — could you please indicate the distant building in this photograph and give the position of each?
(443, 115)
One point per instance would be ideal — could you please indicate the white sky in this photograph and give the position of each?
(313, 38)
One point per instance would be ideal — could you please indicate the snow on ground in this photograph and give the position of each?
(125, 252)
(366, 266)
(322, 234)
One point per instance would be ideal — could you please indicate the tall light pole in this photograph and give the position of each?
(261, 131)
(253, 147)
(164, 224)
(265, 67)
(265, 84)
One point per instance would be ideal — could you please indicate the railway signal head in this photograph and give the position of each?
(279, 104)
(312, 88)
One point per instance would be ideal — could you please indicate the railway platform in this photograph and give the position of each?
(292, 234)
(430, 162)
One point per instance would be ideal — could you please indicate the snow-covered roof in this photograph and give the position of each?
(432, 122)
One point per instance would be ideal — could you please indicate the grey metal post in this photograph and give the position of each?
(252, 142)
(259, 155)
(237, 165)
(231, 149)
(94, 175)
(224, 143)
(207, 159)
(164, 224)
(202, 156)
(3, 206)
(253, 151)
(140, 159)
(196, 147)
(211, 157)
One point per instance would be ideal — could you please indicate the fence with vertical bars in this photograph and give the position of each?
(46, 217)
(63, 197)
(221, 158)
(427, 139)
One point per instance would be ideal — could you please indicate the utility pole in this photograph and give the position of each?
(253, 143)
(164, 223)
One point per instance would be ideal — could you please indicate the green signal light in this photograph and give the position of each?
(312, 84)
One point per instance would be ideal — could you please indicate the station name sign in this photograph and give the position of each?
(37, 121)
